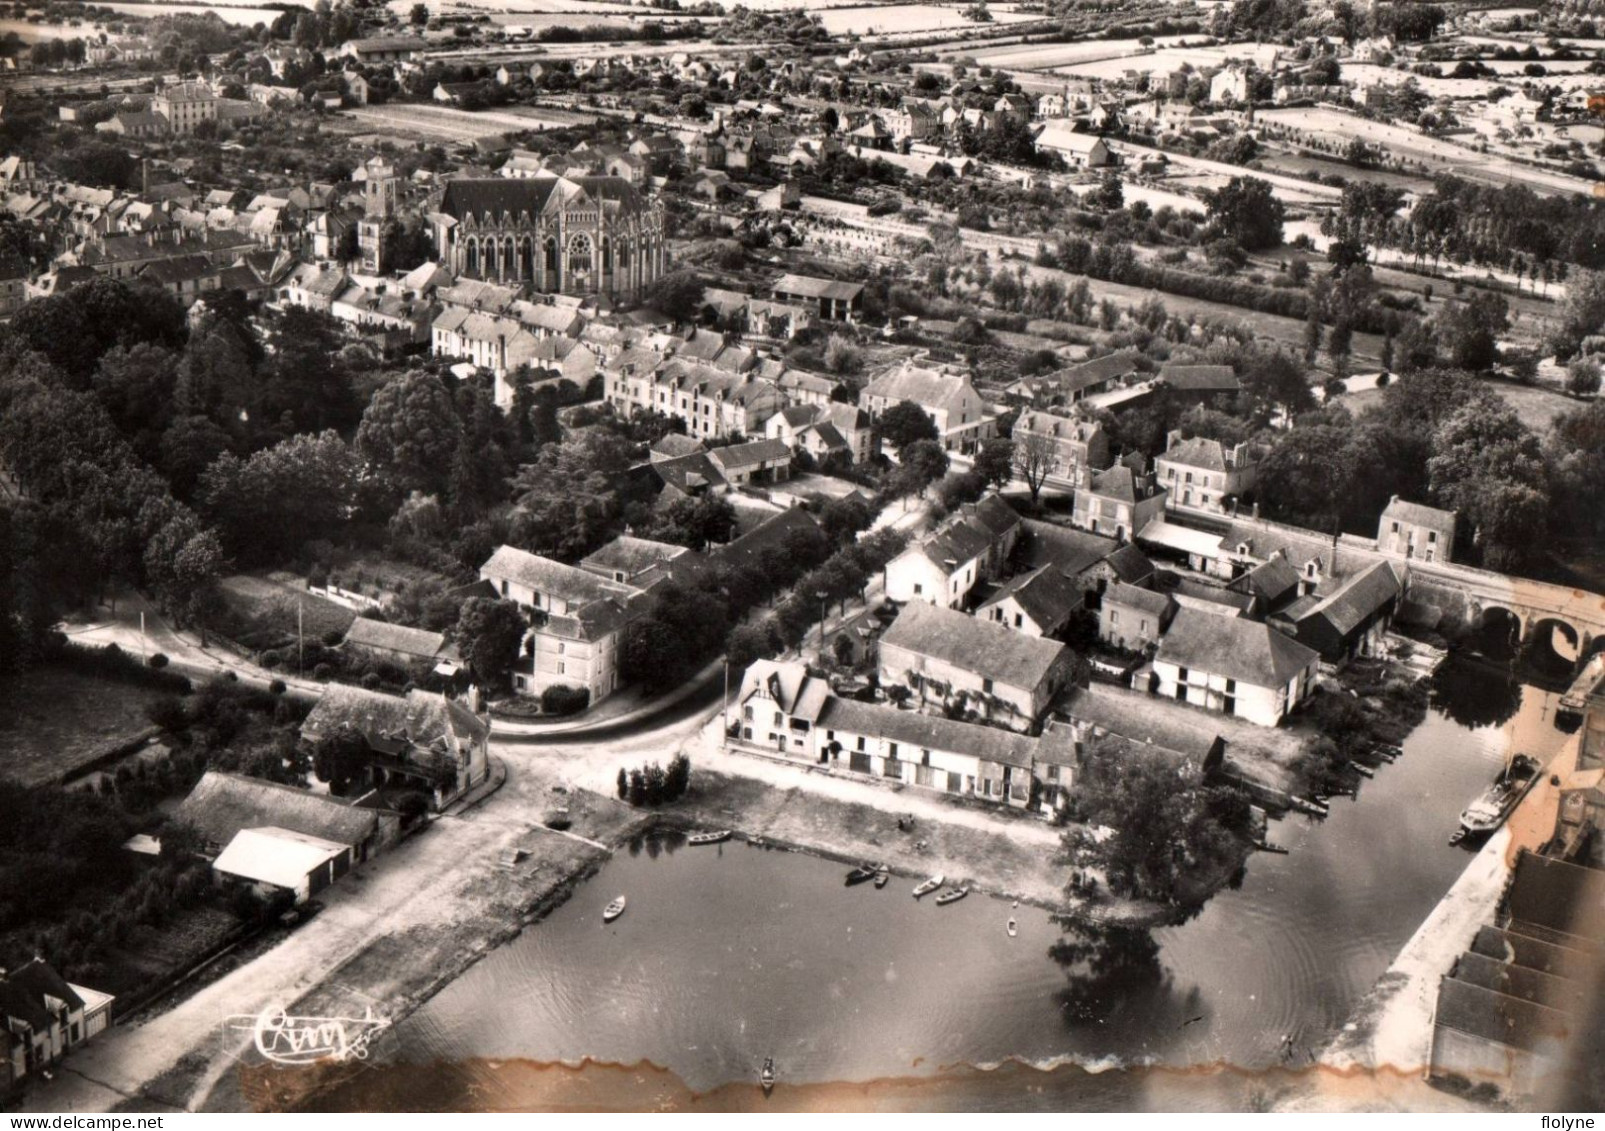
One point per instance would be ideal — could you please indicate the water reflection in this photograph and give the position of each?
(1103, 966)
(1475, 693)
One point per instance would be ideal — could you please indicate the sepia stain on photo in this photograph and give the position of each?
(802, 556)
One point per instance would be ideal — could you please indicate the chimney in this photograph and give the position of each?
(1172, 438)
(1256, 512)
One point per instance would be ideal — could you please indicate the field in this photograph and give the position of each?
(1537, 407)
(906, 19)
(1043, 56)
(446, 123)
(1436, 154)
(52, 721)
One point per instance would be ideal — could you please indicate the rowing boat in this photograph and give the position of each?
(952, 895)
(929, 886)
(708, 838)
(613, 910)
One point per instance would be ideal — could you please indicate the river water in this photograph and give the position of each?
(731, 954)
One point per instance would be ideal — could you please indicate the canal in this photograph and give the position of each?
(731, 954)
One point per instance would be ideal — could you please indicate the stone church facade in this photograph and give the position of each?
(594, 235)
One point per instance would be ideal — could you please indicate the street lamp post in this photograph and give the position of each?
(824, 614)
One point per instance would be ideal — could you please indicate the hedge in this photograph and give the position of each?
(111, 662)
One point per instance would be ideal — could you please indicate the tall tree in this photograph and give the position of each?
(490, 635)
(410, 432)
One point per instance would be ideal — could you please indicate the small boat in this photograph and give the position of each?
(1363, 771)
(952, 895)
(708, 838)
(613, 910)
(1489, 811)
(1013, 928)
(929, 886)
(881, 878)
(864, 873)
(767, 1076)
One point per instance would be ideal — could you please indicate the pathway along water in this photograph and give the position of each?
(729, 955)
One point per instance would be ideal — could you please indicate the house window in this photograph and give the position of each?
(746, 712)
(1114, 616)
(918, 589)
(986, 686)
(891, 749)
(1231, 687)
(1396, 528)
(1181, 675)
(504, 589)
(1432, 536)
(561, 648)
(779, 719)
(562, 668)
(860, 742)
(1019, 621)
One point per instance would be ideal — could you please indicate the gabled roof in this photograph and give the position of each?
(788, 683)
(1417, 514)
(1196, 452)
(1117, 483)
(1247, 651)
(928, 732)
(1272, 581)
(988, 650)
(23, 992)
(924, 387)
(805, 286)
(367, 633)
(1129, 714)
(753, 454)
(1095, 371)
(772, 534)
(630, 555)
(417, 722)
(1070, 551)
(1143, 600)
(1347, 607)
(552, 578)
(276, 856)
(1045, 595)
(221, 804)
(497, 196)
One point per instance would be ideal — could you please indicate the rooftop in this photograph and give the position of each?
(928, 732)
(1247, 651)
(221, 804)
(986, 649)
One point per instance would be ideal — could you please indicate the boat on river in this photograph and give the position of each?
(952, 895)
(864, 873)
(708, 838)
(882, 877)
(1014, 928)
(1489, 811)
(767, 1076)
(613, 910)
(929, 885)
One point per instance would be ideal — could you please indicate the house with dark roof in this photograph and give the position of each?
(1101, 709)
(946, 565)
(1075, 448)
(962, 418)
(949, 658)
(757, 461)
(396, 642)
(577, 618)
(1413, 530)
(1199, 384)
(1218, 600)
(781, 709)
(1091, 561)
(421, 741)
(1236, 666)
(1205, 475)
(1039, 603)
(1133, 619)
(222, 804)
(1348, 618)
(1117, 503)
(627, 559)
(792, 531)
(42, 1018)
(833, 301)
(1274, 582)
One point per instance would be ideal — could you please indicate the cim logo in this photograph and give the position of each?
(275, 1036)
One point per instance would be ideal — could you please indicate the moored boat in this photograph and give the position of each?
(882, 877)
(613, 910)
(952, 895)
(708, 838)
(767, 1076)
(929, 885)
(864, 873)
(1489, 811)
(1013, 928)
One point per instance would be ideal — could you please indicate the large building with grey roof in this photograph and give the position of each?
(1234, 665)
(586, 235)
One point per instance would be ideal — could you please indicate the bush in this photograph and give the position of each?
(157, 660)
(323, 672)
(169, 713)
(372, 681)
(562, 699)
(111, 662)
(278, 687)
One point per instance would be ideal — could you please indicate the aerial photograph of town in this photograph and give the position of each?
(802, 556)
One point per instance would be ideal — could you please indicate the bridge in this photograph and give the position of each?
(1534, 614)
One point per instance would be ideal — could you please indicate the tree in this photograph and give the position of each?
(418, 15)
(1035, 456)
(1583, 377)
(340, 759)
(994, 462)
(1472, 329)
(1165, 831)
(906, 423)
(1246, 211)
(410, 432)
(843, 519)
(679, 296)
(695, 521)
(1583, 312)
(1111, 193)
(1487, 465)
(490, 635)
(301, 489)
(1274, 382)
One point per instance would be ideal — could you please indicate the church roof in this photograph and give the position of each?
(496, 196)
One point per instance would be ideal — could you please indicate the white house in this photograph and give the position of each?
(1235, 666)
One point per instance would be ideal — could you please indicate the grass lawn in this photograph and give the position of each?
(1536, 406)
(52, 721)
(262, 608)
